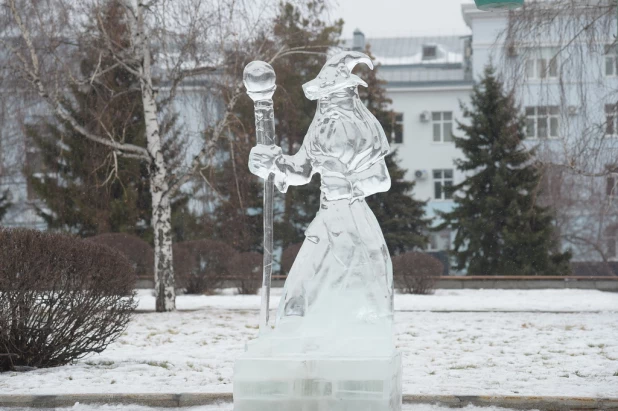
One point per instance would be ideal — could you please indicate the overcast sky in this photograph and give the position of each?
(397, 18)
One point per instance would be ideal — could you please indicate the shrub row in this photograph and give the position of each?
(203, 265)
(199, 266)
(416, 272)
(413, 272)
(61, 298)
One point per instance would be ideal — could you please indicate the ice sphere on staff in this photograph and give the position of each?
(259, 79)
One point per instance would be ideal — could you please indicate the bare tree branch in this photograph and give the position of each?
(33, 76)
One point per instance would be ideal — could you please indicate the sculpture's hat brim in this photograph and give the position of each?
(316, 89)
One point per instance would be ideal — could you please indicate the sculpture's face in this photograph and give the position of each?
(342, 99)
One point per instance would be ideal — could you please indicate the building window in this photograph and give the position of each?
(430, 52)
(611, 248)
(397, 128)
(542, 121)
(439, 241)
(610, 187)
(611, 120)
(443, 184)
(442, 126)
(542, 64)
(611, 61)
(610, 243)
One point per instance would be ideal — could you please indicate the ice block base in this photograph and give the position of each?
(317, 384)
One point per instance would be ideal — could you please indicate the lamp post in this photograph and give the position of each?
(497, 5)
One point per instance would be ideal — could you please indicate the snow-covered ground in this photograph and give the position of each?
(565, 300)
(461, 353)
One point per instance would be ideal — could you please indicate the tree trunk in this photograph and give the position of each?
(162, 225)
(159, 188)
(161, 209)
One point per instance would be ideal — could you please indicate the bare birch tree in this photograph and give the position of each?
(173, 44)
(561, 54)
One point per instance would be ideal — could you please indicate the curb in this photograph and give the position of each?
(197, 399)
(516, 402)
(149, 400)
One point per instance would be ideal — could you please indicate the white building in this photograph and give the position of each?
(428, 77)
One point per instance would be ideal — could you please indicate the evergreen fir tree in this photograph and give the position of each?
(401, 217)
(86, 189)
(294, 111)
(237, 219)
(500, 229)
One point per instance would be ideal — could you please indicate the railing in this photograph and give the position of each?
(510, 278)
(527, 278)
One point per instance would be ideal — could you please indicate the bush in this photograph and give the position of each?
(138, 251)
(416, 273)
(288, 256)
(201, 266)
(61, 298)
(246, 270)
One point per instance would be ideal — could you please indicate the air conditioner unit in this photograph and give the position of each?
(421, 174)
(425, 116)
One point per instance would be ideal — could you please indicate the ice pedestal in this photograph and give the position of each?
(317, 384)
(323, 366)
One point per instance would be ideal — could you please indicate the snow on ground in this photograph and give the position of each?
(461, 353)
(228, 407)
(561, 300)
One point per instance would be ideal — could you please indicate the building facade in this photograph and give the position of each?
(569, 105)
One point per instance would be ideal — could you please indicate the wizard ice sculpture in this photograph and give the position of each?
(332, 346)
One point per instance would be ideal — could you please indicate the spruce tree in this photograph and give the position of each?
(499, 228)
(86, 188)
(401, 217)
(297, 28)
(237, 219)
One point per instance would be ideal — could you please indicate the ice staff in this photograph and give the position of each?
(259, 78)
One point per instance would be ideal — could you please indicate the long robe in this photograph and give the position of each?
(340, 287)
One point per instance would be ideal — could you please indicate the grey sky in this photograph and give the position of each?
(394, 18)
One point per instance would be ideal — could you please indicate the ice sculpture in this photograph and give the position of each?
(332, 347)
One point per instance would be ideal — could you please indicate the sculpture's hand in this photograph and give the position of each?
(336, 187)
(262, 159)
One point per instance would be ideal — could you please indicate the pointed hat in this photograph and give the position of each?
(337, 74)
